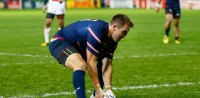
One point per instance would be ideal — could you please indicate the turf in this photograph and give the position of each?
(142, 61)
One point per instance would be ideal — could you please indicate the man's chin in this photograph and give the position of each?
(118, 40)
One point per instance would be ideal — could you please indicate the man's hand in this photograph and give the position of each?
(44, 8)
(110, 93)
(157, 8)
(99, 94)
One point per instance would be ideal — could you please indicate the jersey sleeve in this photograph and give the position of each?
(94, 41)
(45, 2)
(108, 50)
(109, 53)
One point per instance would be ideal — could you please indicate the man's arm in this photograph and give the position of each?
(107, 72)
(92, 70)
(107, 76)
(44, 6)
(158, 6)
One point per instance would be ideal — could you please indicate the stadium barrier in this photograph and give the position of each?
(140, 4)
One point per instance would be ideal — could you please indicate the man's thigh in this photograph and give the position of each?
(75, 62)
(67, 55)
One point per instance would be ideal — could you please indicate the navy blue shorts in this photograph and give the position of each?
(176, 12)
(61, 49)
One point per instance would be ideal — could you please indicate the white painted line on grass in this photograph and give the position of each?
(27, 29)
(114, 88)
(25, 55)
(157, 55)
(28, 63)
(59, 93)
(116, 57)
(155, 86)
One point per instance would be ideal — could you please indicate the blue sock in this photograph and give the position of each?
(79, 83)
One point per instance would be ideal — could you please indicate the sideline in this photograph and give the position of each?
(114, 88)
(115, 57)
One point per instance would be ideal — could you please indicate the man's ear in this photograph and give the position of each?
(114, 27)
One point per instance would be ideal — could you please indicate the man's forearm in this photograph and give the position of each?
(107, 75)
(158, 1)
(92, 70)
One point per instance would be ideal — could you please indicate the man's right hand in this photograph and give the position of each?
(100, 94)
(157, 7)
(44, 8)
(110, 93)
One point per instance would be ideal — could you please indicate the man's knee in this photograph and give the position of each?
(48, 22)
(61, 24)
(176, 23)
(76, 62)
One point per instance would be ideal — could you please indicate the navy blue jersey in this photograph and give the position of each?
(89, 34)
(172, 4)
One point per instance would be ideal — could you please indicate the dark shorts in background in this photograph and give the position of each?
(50, 15)
(176, 12)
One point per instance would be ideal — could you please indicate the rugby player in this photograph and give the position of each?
(55, 7)
(172, 13)
(79, 45)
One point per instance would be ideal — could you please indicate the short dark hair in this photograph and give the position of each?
(121, 20)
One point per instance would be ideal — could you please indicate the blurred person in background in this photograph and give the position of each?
(55, 7)
(95, 3)
(172, 13)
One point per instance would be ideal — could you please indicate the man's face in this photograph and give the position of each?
(120, 33)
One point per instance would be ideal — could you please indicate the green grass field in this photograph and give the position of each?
(143, 66)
